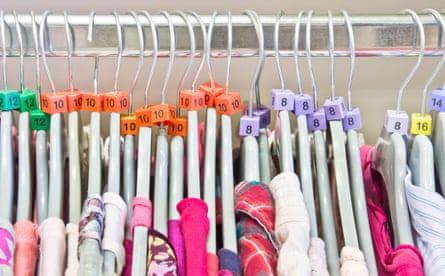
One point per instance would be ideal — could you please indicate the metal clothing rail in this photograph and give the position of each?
(375, 35)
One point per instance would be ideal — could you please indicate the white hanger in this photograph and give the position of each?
(24, 199)
(129, 140)
(73, 142)
(94, 143)
(210, 149)
(250, 151)
(229, 228)
(6, 151)
(41, 142)
(56, 169)
(389, 159)
(340, 162)
(438, 138)
(355, 169)
(321, 168)
(144, 163)
(161, 166)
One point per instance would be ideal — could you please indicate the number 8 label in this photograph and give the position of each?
(249, 126)
(396, 121)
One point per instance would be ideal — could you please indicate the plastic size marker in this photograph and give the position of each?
(191, 100)
(39, 120)
(249, 126)
(129, 125)
(421, 124)
(317, 120)
(28, 100)
(53, 104)
(352, 119)
(179, 128)
(92, 102)
(228, 104)
(116, 102)
(303, 104)
(282, 99)
(396, 121)
(162, 113)
(74, 100)
(211, 94)
(437, 100)
(143, 116)
(9, 100)
(334, 109)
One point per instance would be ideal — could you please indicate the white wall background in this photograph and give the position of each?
(376, 82)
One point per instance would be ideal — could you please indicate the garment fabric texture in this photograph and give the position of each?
(352, 262)
(427, 211)
(317, 257)
(212, 264)
(291, 225)
(177, 241)
(229, 261)
(405, 259)
(25, 248)
(194, 228)
(254, 208)
(161, 257)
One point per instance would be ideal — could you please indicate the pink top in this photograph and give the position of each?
(403, 260)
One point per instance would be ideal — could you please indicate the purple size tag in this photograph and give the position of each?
(6, 244)
(396, 121)
(352, 119)
(282, 99)
(249, 126)
(263, 112)
(334, 109)
(316, 120)
(437, 100)
(303, 104)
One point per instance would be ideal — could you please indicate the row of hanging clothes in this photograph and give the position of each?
(302, 196)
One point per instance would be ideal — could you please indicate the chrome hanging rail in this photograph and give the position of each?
(375, 34)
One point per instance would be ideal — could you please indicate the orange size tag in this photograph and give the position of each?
(129, 125)
(179, 128)
(211, 94)
(93, 102)
(143, 116)
(228, 104)
(53, 104)
(116, 102)
(191, 100)
(162, 113)
(74, 100)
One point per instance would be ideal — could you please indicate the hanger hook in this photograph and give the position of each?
(172, 53)
(96, 58)
(229, 51)
(19, 29)
(154, 32)
(331, 48)
(296, 50)
(141, 58)
(204, 48)
(309, 59)
(276, 43)
(36, 53)
(260, 36)
(438, 17)
(2, 30)
(420, 28)
(351, 46)
(42, 46)
(121, 45)
(192, 53)
(208, 48)
(70, 45)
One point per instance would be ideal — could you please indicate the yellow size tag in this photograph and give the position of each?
(421, 124)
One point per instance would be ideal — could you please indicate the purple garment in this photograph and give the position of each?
(229, 260)
(177, 241)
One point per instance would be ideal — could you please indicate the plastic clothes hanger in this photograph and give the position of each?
(438, 137)
(115, 207)
(389, 158)
(210, 149)
(90, 246)
(340, 162)
(317, 124)
(228, 224)
(6, 151)
(52, 257)
(421, 156)
(41, 159)
(139, 265)
(129, 138)
(24, 201)
(351, 122)
(161, 166)
(250, 152)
